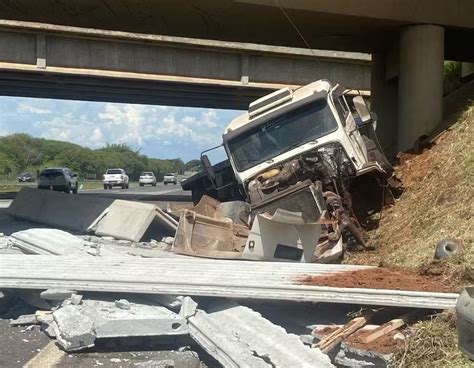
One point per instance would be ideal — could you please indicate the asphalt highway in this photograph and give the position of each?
(161, 192)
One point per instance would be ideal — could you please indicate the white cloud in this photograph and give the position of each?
(159, 131)
(188, 119)
(24, 108)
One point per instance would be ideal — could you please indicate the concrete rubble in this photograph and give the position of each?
(350, 354)
(240, 337)
(121, 284)
(78, 326)
(141, 218)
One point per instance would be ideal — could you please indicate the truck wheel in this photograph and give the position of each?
(124, 186)
(127, 186)
(153, 185)
(165, 183)
(67, 189)
(105, 187)
(75, 189)
(448, 248)
(141, 184)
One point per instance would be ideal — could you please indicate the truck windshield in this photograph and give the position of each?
(281, 134)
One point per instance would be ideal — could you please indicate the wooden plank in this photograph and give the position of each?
(383, 330)
(329, 342)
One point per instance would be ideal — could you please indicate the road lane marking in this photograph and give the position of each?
(48, 357)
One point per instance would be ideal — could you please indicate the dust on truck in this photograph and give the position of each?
(313, 147)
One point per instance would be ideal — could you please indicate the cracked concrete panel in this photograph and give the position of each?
(237, 336)
(77, 326)
(47, 241)
(140, 218)
(56, 209)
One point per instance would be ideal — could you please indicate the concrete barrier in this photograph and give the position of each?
(61, 210)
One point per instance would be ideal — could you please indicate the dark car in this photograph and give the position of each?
(26, 178)
(59, 179)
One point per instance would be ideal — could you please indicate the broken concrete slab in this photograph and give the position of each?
(46, 322)
(73, 329)
(167, 363)
(56, 294)
(352, 357)
(239, 337)
(123, 304)
(24, 320)
(47, 241)
(204, 277)
(139, 217)
(75, 299)
(57, 209)
(188, 308)
(78, 326)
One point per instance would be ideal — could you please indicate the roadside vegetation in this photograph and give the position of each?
(438, 203)
(23, 153)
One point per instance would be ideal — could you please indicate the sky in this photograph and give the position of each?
(158, 131)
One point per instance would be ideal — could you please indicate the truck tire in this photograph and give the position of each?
(141, 184)
(124, 186)
(153, 185)
(105, 187)
(127, 186)
(447, 248)
(75, 189)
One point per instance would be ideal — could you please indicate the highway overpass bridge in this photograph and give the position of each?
(53, 61)
(408, 40)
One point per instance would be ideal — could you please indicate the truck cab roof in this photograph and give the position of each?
(276, 103)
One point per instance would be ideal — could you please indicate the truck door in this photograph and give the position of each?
(351, 128)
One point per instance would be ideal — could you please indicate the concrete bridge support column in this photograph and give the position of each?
(420, 92)
(384, 101)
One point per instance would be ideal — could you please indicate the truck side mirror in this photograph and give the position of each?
(362, 109)
(206, 164)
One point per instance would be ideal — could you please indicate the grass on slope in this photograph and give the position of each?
(438, 202)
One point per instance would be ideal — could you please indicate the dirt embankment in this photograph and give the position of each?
(438, 202)
(380, 278)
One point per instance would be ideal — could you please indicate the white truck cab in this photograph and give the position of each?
(311, 150)
(288, 123)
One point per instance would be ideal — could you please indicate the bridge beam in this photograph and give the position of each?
(44, 60)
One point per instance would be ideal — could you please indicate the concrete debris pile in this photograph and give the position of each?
(234, 335)
(229, 230)
(102, 216)
(201, 282)
(89, 290)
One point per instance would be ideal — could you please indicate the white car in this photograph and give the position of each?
(147, 178)
(115, 177)
(170, 178)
